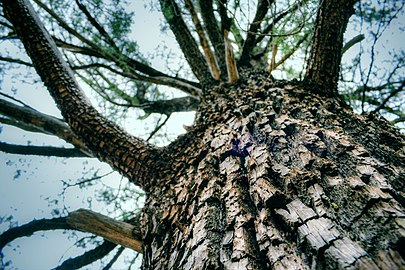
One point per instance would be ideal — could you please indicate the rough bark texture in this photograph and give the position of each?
(272, 176)
(326, 51)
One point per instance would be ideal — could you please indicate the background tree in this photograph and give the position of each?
(265, 163)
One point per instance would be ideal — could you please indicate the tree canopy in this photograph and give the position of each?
(217, 40)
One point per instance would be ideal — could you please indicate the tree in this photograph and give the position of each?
(272, 174)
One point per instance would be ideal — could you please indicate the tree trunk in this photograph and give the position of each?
(272, 176)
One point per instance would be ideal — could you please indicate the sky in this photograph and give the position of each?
(28, 183)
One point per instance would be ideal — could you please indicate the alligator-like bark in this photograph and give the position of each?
(272, 176)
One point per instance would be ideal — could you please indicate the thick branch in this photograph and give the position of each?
(30, 119)
(88, 257)
(211, 60)
(127, 154)
(41, 150)
(214, 33)
(115, 231)
(185, 40)
(261, 11)
(326, 51)
(231, 67)
(118, 232)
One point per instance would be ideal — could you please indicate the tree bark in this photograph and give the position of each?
(326, 49)
(272, 176)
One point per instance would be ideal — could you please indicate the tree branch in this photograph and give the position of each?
(30, 119)
(211, 60)
(261, 11)
(183, 104)
(88, 257)
(326, 50)
(188, 45)
(273, 66)
(127, 154)
(130, 66)
(32, 227)
(118, 232)
(352, 42)
(41, 150)
(96, 25)
(392, 94)
(277, 18)
(214, 33)
(16, 61)
(231, 67)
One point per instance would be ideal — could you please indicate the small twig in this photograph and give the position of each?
(158, 128)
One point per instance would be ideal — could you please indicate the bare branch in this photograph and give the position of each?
(211, 60)
(16, 61)
(30, 119)
(94, 22)
(277, 18)
(261, 11)
(232, 69)
(65, 26)
(88, 257)
(118, 232)
(124, 152)
(131, 66)
(186, 41)
(392, 94)
(214, 33)
(158, 127)
(273, 66)
(352, 42)
(32, 227)
(41, 150)
(183, 104)
(114, 259)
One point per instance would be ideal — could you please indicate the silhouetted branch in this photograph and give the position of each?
(16, 61)
(88, 257)
(114, 259)
(96, 25)
(392, 94)
(158, 127)
(32, 227)
(41, 150)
